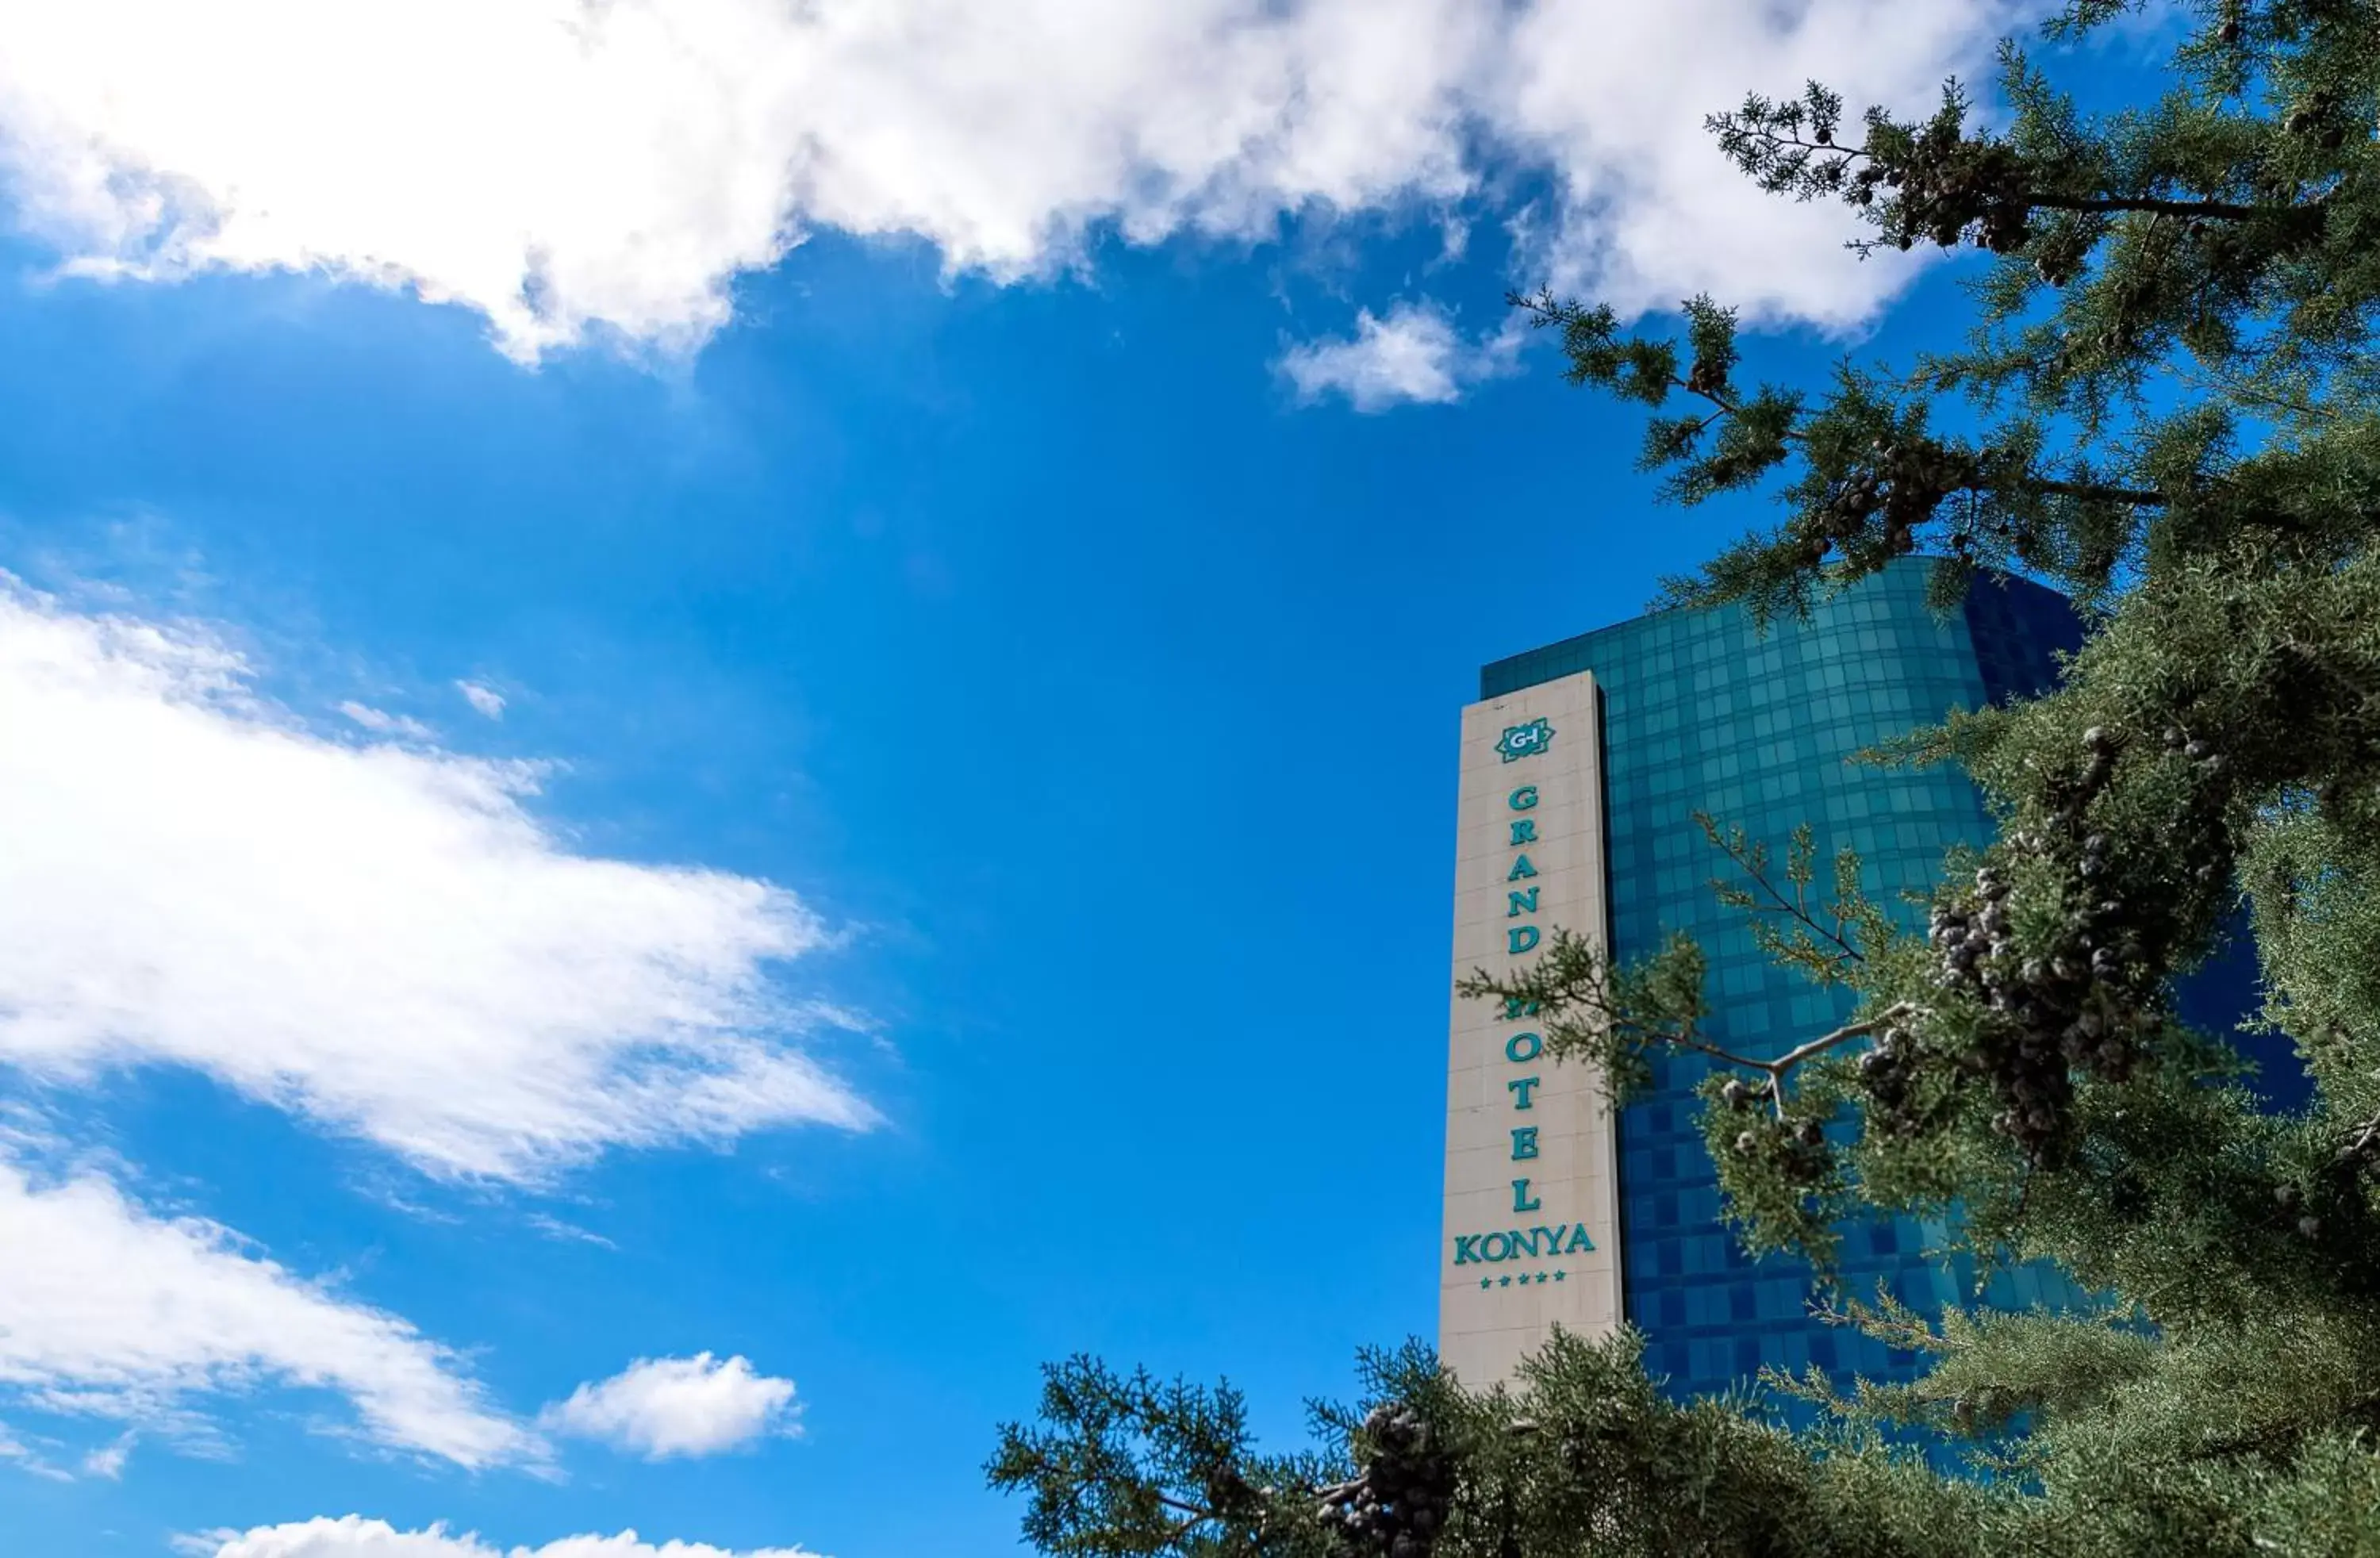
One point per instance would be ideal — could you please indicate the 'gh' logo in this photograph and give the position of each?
(1525, 740)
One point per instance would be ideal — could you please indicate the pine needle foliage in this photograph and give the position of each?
(2169, 407)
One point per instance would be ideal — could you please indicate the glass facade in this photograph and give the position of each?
(1702, 712)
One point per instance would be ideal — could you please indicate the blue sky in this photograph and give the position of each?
(628, 895)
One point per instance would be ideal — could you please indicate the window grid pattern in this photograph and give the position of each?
(1703, 714)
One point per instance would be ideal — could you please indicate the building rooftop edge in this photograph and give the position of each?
(1493, 686)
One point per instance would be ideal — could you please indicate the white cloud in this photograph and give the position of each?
(1647, 211)
(485, 699)
(107, 1311)
(1414, 355)
(568, 1233)
(664, 1407)
(561, 165)
(380, 721)
(108, 1459)
(382, 938)
(355, 1537)
(16, 1453)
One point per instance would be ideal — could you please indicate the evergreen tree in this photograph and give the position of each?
(2166, 408)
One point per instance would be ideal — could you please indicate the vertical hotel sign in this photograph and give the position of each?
(1531, 1237)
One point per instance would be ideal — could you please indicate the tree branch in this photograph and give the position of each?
(2143, 497)
(1777, 1069)
(2225, 211)
(2096, 205)
(1778, 904)
(1683, 1041)
(1844, 1034)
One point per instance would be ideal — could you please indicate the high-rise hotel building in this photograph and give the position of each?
(1581, 766)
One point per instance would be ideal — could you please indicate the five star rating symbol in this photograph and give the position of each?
(1524, 1279)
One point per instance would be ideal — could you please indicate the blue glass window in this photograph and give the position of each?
(1770, 751)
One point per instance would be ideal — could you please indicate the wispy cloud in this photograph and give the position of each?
(567, 1233)
(663, 1408)
(354, 1537)
(566, 169)
(14, 1452)
(380, 721)
(108, 1460)
(483, 698)
(380, 939)
(108, 1311)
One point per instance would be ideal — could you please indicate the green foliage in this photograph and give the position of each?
(2223, 242)
(2169, 407)
(1586, 1455)
(1121, 1465)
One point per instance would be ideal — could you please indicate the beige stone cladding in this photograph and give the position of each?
(1511, 1263)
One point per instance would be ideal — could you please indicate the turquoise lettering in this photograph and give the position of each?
(1521, 868)
(1519, 1088)
(1520, 939)
(1543, 1240)
(1522, 1200)
(1524, 1142)
(1523, 1048)
(1525, 831)
(1522, 798)
(1516, 1007)
(1520, 903)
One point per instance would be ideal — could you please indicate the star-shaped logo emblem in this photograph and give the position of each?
(1525, 740)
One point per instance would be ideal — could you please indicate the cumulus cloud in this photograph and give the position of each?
(562, 166)
(380, 939)
(355, 1537)
(661, 1407)
(110, 1312)
(484, 698)
(1414, 355)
